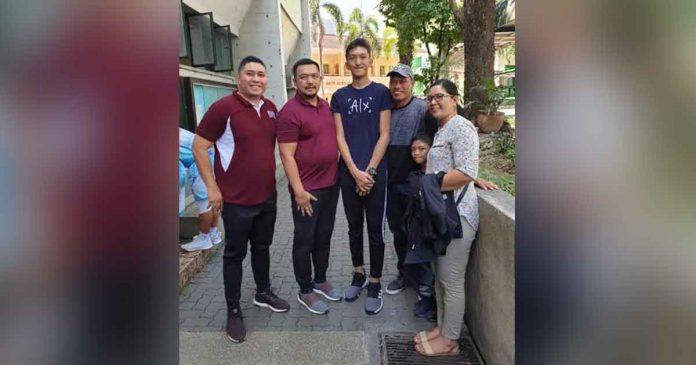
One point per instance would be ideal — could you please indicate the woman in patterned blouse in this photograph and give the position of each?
(455, 153)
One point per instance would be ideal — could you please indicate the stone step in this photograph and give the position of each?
(191, 263)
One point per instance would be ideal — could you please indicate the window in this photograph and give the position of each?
(200, 29)
(183, 49)
(336, 70)
(372, 70)
(223, 49)
(382, 71)
(326, 69)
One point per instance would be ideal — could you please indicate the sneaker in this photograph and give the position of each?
(374, 302)
(328, 291)
(198, 243)
(313, 303)
(423, 306)
(236, 331)
(216, 238)
(353, 291)
(268, 299)
(396, 285)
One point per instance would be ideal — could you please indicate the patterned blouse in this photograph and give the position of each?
(456, 146)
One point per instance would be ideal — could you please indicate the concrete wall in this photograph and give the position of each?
(490, 279)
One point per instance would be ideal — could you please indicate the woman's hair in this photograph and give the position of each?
(448, 85)
(423, 137)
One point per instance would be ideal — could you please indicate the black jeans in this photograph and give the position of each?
(253, 224)
(370, 206)
(397, 200)
(312, 237)
(419, 276)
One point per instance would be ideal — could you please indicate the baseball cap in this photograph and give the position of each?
(401, 70)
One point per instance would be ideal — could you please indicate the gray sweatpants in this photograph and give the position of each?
(450, 270)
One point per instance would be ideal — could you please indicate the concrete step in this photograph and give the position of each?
(269, 347)
(190, 263)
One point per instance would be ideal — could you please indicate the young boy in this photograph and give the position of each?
(362, 112)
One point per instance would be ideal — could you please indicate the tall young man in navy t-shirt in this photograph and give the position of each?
(362, 111)
(242, 127)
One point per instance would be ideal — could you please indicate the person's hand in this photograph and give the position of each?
(363, 181)
(304, 203)
(215, 198)
(485, 185)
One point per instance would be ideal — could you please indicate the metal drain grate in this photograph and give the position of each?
(398, 348)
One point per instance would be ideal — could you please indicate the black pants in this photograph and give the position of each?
(397, 200)
(357, 208)
(312, 240)
(247, 223)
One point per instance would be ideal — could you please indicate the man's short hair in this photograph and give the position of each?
(250, 59)
(302, 62)
(358, 42)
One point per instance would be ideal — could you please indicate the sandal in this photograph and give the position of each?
(423, 335)
(429, 350)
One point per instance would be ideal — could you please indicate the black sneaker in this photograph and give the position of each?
(236, 331)
(353, 291)
(268, 299)
(374, 301)
(396, 285)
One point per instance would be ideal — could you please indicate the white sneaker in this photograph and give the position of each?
(198, 243)
(216, 238)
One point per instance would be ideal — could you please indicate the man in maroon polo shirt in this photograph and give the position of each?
(309, 151)
(242, 128)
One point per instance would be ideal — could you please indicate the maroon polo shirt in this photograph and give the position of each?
(244, 148)
(314, 130)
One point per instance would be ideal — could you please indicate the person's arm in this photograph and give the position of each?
(362, 179)
(454, 179)
(200, 154)
(302, 197)
(383, 141)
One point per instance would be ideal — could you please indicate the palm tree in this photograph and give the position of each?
(318, 28)
(359, 26)
(389, 41)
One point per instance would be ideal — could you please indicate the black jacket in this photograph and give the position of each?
(431, 219)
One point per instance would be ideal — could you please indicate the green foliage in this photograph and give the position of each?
(487, 97)
(359, 26)
(504, 143)
(429, 21)
(504, 181)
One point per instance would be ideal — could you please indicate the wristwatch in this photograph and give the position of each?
(372, 171)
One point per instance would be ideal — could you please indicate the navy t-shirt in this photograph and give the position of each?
(360, 110)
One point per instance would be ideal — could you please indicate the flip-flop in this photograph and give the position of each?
(429, 350)
(420, 336)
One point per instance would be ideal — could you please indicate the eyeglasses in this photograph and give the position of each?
(437, 97)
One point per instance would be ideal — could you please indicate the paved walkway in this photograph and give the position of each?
(202, 302)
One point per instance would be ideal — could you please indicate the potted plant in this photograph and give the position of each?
(484, 102)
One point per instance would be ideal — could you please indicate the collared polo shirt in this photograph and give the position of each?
(244, 139)
(314, 130)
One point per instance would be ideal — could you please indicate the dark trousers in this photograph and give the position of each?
(397, 200)
(418, 276)
(312, 239)
(357, 208)
(253, 224)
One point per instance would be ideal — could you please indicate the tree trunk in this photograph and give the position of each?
(476, 20)
(405, 48)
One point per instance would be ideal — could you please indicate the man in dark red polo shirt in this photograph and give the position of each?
(309, 151)
(242, 128)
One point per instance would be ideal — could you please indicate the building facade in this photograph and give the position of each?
(216, 34)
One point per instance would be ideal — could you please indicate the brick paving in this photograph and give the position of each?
(202, 301)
